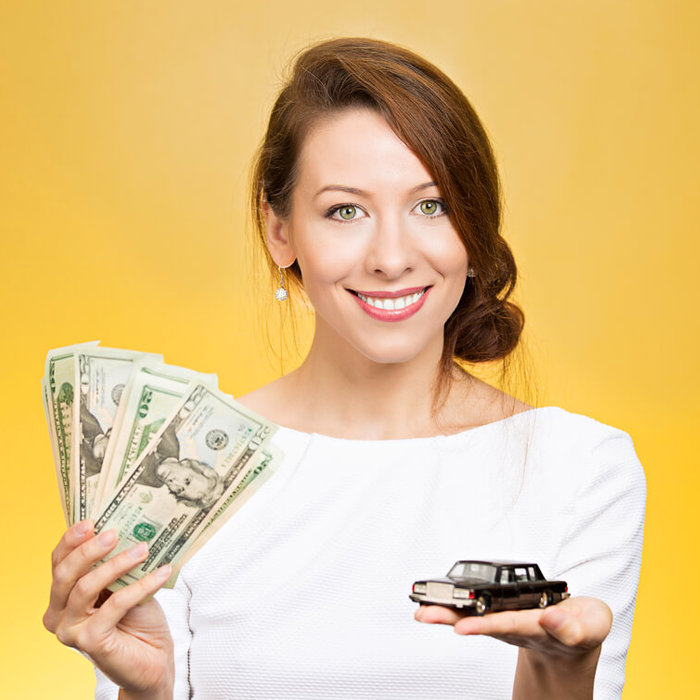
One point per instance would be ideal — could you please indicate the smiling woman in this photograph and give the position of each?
(362, 256)
(376, 189)
(430, 127)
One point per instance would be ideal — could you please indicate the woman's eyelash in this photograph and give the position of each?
(336, 208)
(331, 211)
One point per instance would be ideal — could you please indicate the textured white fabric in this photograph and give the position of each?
(304, 593)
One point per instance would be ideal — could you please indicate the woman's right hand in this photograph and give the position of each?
(129, 643)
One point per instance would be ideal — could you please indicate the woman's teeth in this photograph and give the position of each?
(391, 304)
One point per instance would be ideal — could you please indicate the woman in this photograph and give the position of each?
(376, 191)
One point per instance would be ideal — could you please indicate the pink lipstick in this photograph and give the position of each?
(382, 314)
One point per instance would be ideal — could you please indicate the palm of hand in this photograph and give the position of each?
(574, 626)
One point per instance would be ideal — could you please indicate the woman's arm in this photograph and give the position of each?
(600, 554)
(125, 695)
(568, 678)
(577, 649)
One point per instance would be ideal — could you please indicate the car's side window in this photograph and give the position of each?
(531, 571)
(507, 576)
(521, 574)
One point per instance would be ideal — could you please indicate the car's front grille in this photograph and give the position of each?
(440, 590)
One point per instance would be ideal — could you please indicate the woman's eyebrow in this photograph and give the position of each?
(362, 193)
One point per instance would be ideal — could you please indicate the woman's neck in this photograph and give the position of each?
(338, 391)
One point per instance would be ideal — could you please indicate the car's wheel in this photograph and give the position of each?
(482, 605)
(545, 599)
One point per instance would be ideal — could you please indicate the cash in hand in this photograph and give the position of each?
(154, 451)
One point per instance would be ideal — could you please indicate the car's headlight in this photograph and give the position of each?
(462, 593)
(420, 588)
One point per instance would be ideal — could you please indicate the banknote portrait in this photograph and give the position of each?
(191, 482)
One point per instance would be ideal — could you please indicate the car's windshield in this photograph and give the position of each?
(470, 569)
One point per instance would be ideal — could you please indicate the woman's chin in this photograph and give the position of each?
(392, 354)
(388, 345)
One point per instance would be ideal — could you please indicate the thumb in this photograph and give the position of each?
(562, 625)
(587, 628)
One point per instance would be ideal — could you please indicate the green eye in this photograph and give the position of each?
(429, 207)
(347, 213)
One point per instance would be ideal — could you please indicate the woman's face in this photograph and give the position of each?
(380, 260)
(182, 480)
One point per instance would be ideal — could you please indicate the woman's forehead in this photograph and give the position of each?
(357, 149)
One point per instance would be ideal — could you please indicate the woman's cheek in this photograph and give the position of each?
(448, 256)
(329, 260)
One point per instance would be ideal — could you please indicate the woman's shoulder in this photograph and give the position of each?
(558, 432)
(474, 403)
(589, 453)
(580, 432)
(470, 404)
(271, 401)
(486, 404)
(556, 436)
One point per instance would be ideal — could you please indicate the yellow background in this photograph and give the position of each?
(127, 129)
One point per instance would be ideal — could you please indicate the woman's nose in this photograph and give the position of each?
(390, 249)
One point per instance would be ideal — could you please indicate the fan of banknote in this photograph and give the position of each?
(154, 451)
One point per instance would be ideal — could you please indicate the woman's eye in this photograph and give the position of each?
(347, 212)
(430, 207)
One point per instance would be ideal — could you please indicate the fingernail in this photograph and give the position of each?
(138, 551)
(82, 529)
(107, 538)
(164, 571)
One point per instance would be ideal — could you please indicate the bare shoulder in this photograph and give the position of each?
(268, 400)
(493, 400)
(476, 403)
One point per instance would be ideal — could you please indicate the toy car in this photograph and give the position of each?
(488, 586)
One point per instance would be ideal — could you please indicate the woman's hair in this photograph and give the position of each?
(429, 113)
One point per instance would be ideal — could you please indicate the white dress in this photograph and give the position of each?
(304, 592)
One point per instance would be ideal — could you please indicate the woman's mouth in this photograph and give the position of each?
(392, 306)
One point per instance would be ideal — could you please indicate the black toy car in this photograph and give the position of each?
(489, 586)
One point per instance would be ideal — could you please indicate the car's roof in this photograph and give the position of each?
(500, 562)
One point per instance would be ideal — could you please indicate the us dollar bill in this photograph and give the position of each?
(59, 393)
(63, 488)
(265, 462)
(153, 391)
(203, 450)
(101, 375)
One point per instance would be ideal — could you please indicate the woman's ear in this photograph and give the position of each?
(278, 238)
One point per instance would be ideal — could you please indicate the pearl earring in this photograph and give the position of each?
(281, 292)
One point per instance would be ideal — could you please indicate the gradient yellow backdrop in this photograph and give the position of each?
(126, 132)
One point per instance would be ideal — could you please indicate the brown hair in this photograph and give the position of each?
(430, 114)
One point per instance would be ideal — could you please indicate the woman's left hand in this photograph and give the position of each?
(575, 626)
